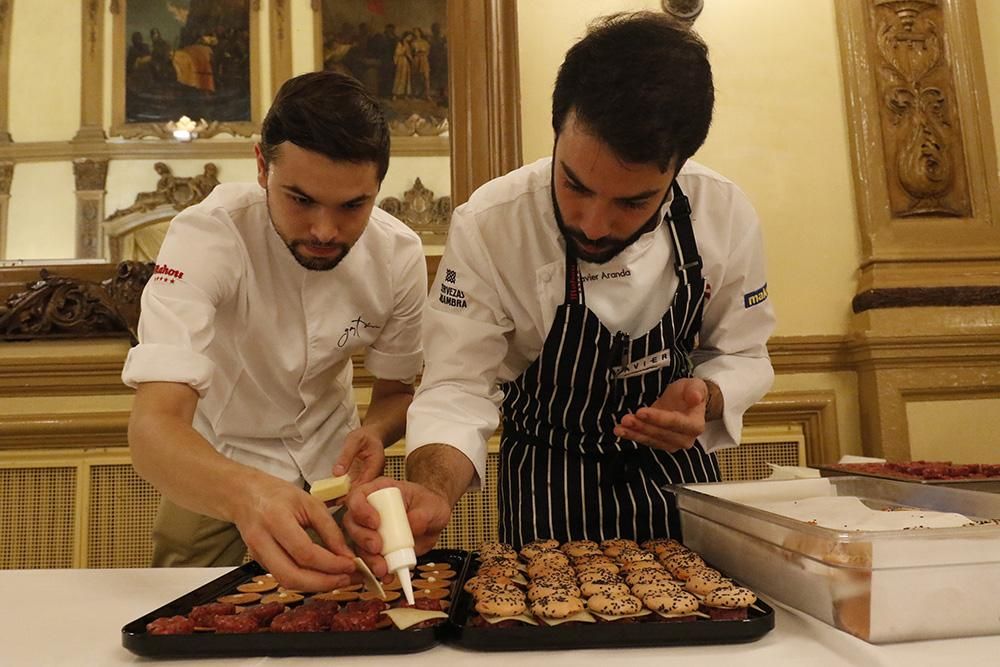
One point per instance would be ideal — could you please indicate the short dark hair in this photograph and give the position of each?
(329, 113)
(640, 82)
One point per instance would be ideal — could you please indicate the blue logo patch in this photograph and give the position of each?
(755, 297)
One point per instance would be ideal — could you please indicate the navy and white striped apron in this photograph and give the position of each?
(563, 472)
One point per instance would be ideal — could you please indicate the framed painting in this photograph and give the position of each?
(185, 58)
(399, 50)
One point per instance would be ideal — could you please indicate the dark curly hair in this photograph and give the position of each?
(640, 82)
(328, 113)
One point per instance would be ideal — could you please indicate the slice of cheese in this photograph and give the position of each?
(581, 616)
(404, 617)
(331, 488)
(615, 617)
(520, 617)
(371, 582)
(682, 614)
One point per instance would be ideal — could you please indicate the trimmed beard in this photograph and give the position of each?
(611, 248)
(307, 262)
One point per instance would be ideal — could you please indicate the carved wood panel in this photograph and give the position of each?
(925, 157)
(922, 144)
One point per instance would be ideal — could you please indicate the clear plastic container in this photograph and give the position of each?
(881, 586)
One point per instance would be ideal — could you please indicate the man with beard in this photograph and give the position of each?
(608, 302)
(261, 295)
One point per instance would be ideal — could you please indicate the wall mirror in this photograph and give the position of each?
(58, 186)
(63, 181)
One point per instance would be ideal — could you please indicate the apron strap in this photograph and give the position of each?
(682, 233)
(574, 282)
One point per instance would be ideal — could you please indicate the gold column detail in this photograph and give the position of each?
(6, 176)
(91, 176)
(922, 147)
(281, 43)
(928, 197)
(92, 74)
(6, 10)
(921, 127)
(483, 66)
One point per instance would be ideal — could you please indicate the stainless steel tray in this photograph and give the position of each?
(990, 484)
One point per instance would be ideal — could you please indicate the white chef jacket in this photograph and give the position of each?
(266, 343)
(502, 276)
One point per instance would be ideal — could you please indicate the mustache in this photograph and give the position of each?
(580, 237)
(318, 244)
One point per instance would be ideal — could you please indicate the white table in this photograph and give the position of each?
(50, 618)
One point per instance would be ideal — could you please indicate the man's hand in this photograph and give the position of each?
(363, 457)
(273, 520)
(271, 514)
(674, 421)
(427, 512)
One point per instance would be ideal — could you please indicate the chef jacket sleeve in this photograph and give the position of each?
(396, 353)
(737, 321)
(465, 339)
(197, 269)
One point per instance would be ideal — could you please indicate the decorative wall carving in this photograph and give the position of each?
(91, 73)
(93, 15)
(89, 211)
(55, 306)
(420, 210)
(281, 43)
(177, 191)
(920, 124)
(6, 176)
(4, 13)
(91, 175)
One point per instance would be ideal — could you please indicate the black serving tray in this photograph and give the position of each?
(759, 622)
(203, 644)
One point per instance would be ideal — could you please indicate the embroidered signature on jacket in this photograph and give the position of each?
(354, 330)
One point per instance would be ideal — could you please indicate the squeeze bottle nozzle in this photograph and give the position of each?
(397, 538)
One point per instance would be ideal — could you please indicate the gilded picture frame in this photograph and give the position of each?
(399, 50)
(201, 60)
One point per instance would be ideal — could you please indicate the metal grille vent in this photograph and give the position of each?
(37, 509)
(749, 460)
(122, 509)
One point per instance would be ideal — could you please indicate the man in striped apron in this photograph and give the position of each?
(564, 474)
(609, 303)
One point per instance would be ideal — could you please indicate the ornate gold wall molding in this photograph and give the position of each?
(92, 75)
(815, 412)
(483, 65)
(6, 10)
(178, 192)
(85, 429)
(63, 368)
(925, 171)
(920, 354)
(6, 177)
(422, 211)
(90, 176)
(281, 43)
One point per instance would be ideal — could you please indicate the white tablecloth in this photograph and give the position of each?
(74, 617)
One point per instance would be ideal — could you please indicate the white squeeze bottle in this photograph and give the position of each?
(397, 538)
